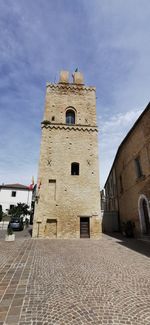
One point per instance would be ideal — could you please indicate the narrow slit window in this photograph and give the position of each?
(75, 168)
(138, 167)
(121, 184)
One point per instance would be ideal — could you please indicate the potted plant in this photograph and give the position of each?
(10, 236)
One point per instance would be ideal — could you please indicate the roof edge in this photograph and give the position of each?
(126, 137)
(15, 186)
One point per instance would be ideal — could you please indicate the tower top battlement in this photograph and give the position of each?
(77, 77)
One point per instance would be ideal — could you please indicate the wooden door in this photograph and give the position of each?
(84, 228)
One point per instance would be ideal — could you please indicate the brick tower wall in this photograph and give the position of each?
(63, 198)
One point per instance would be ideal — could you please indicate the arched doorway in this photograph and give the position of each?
(144, 215)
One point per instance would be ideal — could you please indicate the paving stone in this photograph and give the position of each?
(89, 282)
(3, 315)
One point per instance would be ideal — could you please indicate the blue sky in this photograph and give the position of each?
(109, 41)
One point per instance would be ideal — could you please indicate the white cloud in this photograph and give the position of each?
(120, 30)
(120, 122)
(107, 40)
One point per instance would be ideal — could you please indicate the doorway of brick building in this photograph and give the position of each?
(146, 217)
(144, 214)
(84, 227)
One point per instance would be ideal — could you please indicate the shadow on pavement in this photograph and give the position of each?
(25, 233)
(30, 232)
(138, 245)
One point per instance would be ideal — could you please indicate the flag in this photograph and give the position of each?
(76, 70)
(39, 184)
(31, 187)
(32, 184)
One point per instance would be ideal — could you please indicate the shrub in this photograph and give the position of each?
(9, 230)
(18, 210)
(1, 213)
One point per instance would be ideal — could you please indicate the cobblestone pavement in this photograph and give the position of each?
(18, 233)
(74, 282)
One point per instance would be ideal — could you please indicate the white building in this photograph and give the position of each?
(11, 194)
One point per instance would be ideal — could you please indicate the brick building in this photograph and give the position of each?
(127, 188)
(67, 199)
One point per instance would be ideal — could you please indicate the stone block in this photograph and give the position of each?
(78, 78)
(64, 77)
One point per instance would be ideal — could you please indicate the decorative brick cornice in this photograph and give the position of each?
(65, 87)
(48, 125)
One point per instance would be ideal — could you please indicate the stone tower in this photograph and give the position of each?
(68, 195)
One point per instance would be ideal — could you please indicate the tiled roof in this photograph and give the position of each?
(15, 186)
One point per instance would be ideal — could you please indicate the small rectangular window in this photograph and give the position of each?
(11, 206)
(75, 168)
(138, 167)
(13, 193)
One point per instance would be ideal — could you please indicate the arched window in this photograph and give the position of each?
(70, 117)
(75, 168)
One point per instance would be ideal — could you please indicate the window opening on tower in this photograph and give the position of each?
(70, 117)
(75, 168)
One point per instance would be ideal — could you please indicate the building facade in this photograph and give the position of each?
(127, 188)
(67, 199)
(11, 194)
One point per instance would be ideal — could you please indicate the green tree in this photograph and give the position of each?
(19, 209)
(1, 213)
